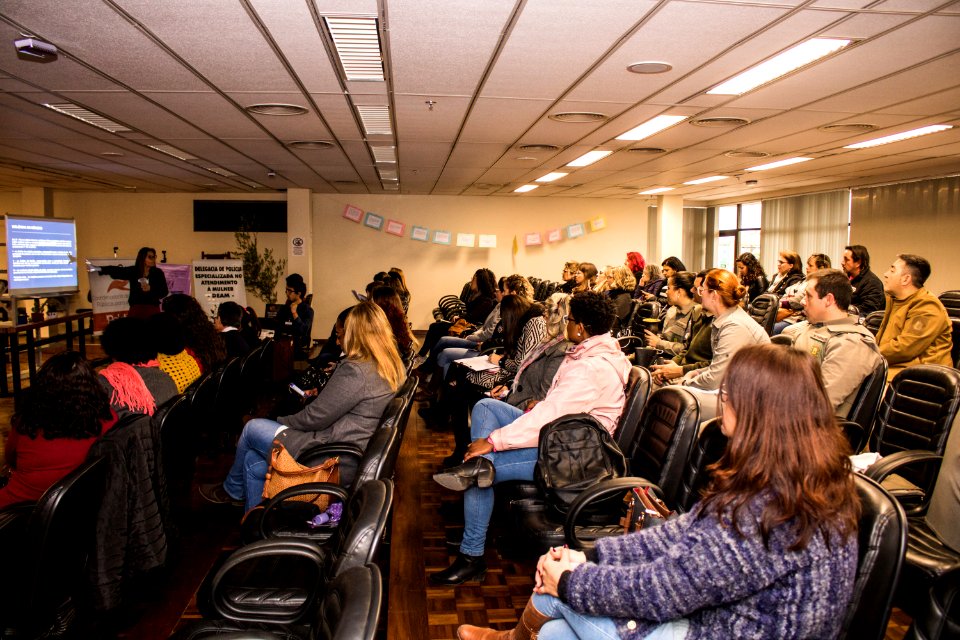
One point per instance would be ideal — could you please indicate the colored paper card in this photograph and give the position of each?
(466, 239)
(441, 237)
(351, 212)
(532, 239)
(373, 221)
(575, 230)
(420, 233)
(597, 223)
(554, 235)
(395, 227)
(487, 241)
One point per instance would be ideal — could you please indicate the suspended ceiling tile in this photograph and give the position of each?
(422, 155)
(338, 114)
(865, 25)
(912, 6)
(130, 109)
(416, 121)
(470, 155)
(209, 112)
(501, 120)
(945, 102)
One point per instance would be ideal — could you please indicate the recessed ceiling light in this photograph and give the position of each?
(550, 177)
(779, 65)
(720, 122)
(746, 154)
(375, 119)
(526, 159)
(650, 192)
(649, 67)
(578, 116)
(589, 158)
(848, 127)
(276, 109)
(111, 154)
(706, 180)
(897, 137)
(310, 144)
(87, 116)
(525, 188)
(778, 164)
(650, 150)
(538, 148)
(384, 154)
(221, 172)
(172, 151)
(650, 127)
(357, 42)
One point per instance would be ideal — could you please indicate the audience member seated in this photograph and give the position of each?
(348, 408)
(56, 421)
(751, 275)
(635, 262)
(682, 316)
(769, 552)
(250, 327)
(791, 303)
(172, 356)
(585, 277)
(867, 288)
(481, 303)
(524, 327)
(569, 282)
(295, 317)
(589, 380)
(398, 282)
(203, 342)
(650, 284)
(389, 301)
(789, 272)
(618, 285)
(916, 328)
(733, 329)
(671, 266)
(228, 323)
(845, 349)
(697, 343)
(332, 349)
(134, 381)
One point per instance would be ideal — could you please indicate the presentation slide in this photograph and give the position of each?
(41, 255)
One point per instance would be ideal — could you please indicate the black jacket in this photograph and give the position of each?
(156, 279)
(868, 292)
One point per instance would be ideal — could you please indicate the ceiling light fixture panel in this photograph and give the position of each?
(589, 158)
(525, 188)
(375, 119)
(550, 177)
(897, 137)
(706, 180)
(650, 192)
(651, 127)
(780, 65)
(357, 42)
(384, 154)
(173, 151)
(87, 117)
(779, 163)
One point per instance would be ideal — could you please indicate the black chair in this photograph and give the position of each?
(281, 580)
(939, 619)
(707, 449)
(867, 401)
(951, 302)
(645, 310)
(955, 349)
(46, 566)
(763, 309)
(229, 404)
(637, 393)
(179, 450)
(873, 320)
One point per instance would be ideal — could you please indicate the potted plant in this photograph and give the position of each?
(261, 269)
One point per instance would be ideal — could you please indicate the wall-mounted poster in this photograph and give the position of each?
(466, 239)
(395, 227)
(441, 237)
(351, 212)
(420, 233)
(487, 241)
(532, 239)
(575, 230)
(597, 223)
(373, 221)
(554, 235)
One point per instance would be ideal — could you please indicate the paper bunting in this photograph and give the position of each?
(554, 235)
(441, 237)
(373, 221)
(597, 223)
(420, 233)
(351, 212)
(575, 230)
(395, 227)
(533, 239)
(466, 239)
(487, 241)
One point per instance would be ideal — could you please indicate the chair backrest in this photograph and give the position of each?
(955, 350)
(867, 401)
(706, 450)
(763, 309)
(882, 543)
(357, 538)
(873, 320)
(249, 370)
(228, 396)
(644, 310)
(951, 301)
(265, 361)
(351, 606)
(637, 392)
(379, 458)
(662, 441)
(940, 617)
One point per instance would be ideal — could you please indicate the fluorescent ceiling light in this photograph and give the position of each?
(172, 151)
(650, 127)
(706, 180)
(650, 192)
(550, 177)
(87, 116)
(221, 172)
(384, 154)
(778, 164)
(897, 137)
(779, 65)
(357, 42)
(589, 158)
(525, 188)
(375, 119)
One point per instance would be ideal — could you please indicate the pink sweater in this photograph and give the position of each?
(590, 380)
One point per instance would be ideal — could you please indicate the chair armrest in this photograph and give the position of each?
(329, 449)
(305, 489)
(595, 493)
(625, 341)
(883, 467)
(308, 553)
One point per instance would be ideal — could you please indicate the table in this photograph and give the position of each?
(10, 346)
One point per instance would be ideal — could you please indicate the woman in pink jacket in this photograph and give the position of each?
(590, 379)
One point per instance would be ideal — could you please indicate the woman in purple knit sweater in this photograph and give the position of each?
(769, 552)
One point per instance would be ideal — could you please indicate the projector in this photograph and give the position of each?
(35, 50)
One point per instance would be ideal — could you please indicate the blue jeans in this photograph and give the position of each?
(514, 464)
(451, 354)
(249, 470)
(779, 327)
(568, 624)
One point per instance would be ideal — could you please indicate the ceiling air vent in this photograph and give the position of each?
(276, 109)
(357, 41)
(720, 122)
(848, 127)
(88, 117)
(173, 151)
(539, 148)
(746, 154)
(310, 144)
(384, 154)
(375, 119)
(578, 116)
(647, 150)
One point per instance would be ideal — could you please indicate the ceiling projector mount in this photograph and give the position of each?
(35, 50)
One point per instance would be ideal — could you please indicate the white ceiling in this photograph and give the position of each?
(469, 82)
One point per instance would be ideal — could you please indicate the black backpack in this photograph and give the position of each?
(575, 453)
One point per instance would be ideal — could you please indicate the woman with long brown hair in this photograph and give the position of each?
(769, 552)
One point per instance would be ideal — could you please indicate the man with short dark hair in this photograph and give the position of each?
(916, 328)
(296, 316)
(867, 288)
(845, 349)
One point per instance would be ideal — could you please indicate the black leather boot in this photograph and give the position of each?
(463, 568)
(477, 471)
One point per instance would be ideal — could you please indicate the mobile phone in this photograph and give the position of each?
(297, 390)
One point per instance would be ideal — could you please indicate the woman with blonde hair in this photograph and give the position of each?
(348, 408)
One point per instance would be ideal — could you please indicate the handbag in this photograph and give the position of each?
(285, 472)
(644, 510)
(459, 327)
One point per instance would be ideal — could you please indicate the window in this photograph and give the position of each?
(739, 232)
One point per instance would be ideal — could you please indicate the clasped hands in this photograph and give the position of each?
(551, 566)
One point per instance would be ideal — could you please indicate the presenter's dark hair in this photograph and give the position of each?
(142, 256)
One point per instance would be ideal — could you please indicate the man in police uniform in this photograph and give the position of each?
(846, 350)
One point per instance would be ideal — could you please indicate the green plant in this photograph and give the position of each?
(261, 270)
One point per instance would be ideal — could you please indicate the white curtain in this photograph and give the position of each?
(816, 223)
(698, 237)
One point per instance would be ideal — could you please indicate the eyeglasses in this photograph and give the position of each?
(289, 290)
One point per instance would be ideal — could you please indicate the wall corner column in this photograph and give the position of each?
(669, 226)
(300, 234)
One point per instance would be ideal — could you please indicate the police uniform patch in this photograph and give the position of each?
(815, 350)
